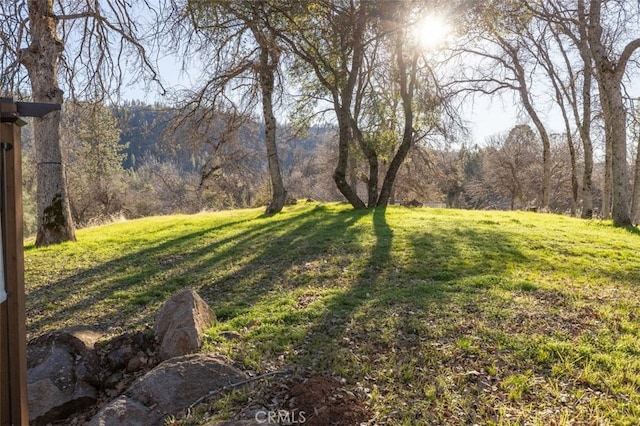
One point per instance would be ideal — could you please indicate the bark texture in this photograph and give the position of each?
(55, 224)
(267, 69)
(609, 73)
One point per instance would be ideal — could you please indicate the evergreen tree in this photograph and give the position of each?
(94, 157)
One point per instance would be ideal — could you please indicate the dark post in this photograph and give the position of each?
(13, 328)
(13, 347)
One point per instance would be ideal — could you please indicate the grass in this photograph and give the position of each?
(440, 316)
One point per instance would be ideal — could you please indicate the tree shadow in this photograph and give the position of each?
(376, 289)
(401, 286)
(632, 229)
(234, 272)
(408, 300)
(130, 270)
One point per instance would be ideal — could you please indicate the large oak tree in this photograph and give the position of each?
(81, 44)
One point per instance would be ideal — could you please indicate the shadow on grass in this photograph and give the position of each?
(112, 280)
(374, 279)
(398, 285)
(632, 229)
(234, 271)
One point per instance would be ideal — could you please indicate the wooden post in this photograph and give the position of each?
(13, 346)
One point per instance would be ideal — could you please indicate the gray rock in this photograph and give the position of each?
(180, 324)
(78, 341)
(118, 358)
(179, 382)
(48, 403)
(63, 371)
(126, 412)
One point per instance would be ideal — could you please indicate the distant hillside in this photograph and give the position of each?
(144, 129)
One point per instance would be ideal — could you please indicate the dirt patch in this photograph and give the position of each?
(325, 401)
(304, 300)
(295, 398)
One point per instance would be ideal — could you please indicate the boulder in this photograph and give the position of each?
(180, 324)
(125, 411)
(176, 384)
(63, 373)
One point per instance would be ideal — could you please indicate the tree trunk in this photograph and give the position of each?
(544, 135)
(609, 73)
(340, 173)
(635, 202)
(587, 180)
(407, 77)
(372, 159)
(616, 200)
(584, 125)
(572, 156)
(342, 101)
(575, 187)
(267, 84)
(585, 133)
(619, 167)
(607, 186)
(546, 162)
(559, 88)
(55, 224)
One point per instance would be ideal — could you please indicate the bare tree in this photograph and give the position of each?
(576, 86)
(610, 68)
(563, 92)
(512, 165)
(507, 64)
(80, 43)
(607, 38)
(244, 56)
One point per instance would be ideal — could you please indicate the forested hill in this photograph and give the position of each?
(145, 131)
(141, 129)
(503, 175)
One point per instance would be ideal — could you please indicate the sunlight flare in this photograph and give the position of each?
(431, 31)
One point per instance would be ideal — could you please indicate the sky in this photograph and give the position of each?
(489, 116)
(485, 116)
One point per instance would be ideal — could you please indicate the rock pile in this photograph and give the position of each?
(168, 389)
(76, 376)
(70, 369)
(63, 373)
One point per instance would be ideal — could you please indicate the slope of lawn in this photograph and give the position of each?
(438, 316)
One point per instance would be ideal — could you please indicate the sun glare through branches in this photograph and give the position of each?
(431, 31)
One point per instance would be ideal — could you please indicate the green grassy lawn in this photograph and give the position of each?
(439, 316)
